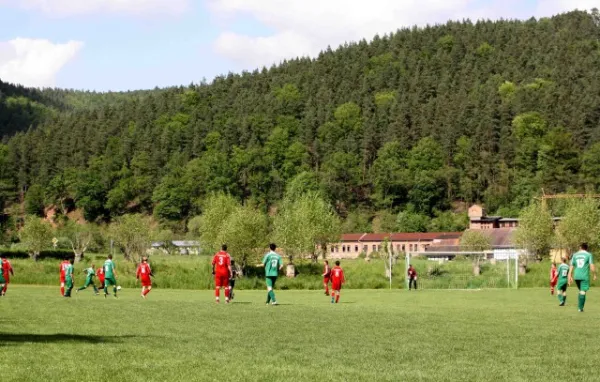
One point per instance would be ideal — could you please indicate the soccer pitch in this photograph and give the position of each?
(372, 335)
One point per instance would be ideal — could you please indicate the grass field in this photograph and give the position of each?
(372, 335)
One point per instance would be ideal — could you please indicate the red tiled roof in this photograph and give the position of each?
(401, 236)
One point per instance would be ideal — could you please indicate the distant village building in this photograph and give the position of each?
(184, 247)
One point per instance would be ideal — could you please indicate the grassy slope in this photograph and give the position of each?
(183, 272)
(500, 335)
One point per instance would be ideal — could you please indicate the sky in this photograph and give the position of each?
(114, 45)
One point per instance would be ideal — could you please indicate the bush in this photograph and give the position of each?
(49, 254)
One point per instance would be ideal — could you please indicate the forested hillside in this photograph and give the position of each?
(413, 121)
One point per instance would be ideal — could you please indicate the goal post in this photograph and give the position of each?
(465, 269)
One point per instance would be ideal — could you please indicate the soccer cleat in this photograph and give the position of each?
(105, 295)
(580, 310)
(274, 303)
(561, 304)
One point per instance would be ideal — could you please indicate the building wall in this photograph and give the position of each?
(353, 249)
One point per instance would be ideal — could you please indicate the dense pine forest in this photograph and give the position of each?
(403, 128)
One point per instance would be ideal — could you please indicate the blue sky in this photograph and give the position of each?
(138, 44)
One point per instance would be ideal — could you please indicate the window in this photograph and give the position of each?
(332, 248)
(365, 248)
(403, 247)
(356, 248)
(343, 248)
(374, 248)
(410, 247)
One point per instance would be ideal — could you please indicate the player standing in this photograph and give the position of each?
(581, 264)
(273, 264)
(89, 279)
(143, 274)
(326, 277)
(63, 267)
(221, 269)
(553, 278)
(337, 280)
(110, 276)
(100, 275)
(232, 277)
(7, 271)
(69, 281)
(412, 277)
(563, 280)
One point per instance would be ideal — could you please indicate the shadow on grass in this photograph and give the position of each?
(12, 338)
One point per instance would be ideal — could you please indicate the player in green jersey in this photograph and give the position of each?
(90, 273)
(581, 264)
(110, 276)
(273, 264)
(69, 282)
(563, 281)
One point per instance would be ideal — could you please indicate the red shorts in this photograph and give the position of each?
(6, 278)
(146, 281)
(336, 285)
(552, 283)
(326, 280)
(62, 279)
(221, 281)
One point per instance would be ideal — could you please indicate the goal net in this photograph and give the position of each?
(465, 269)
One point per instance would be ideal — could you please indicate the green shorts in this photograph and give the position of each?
(89, 282)
(69, 282)
(583, 285)
(562, 286)
(2, 280)
(271, 281)
(108, 281)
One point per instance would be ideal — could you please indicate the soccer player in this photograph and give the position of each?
(232, 277)
(553, 278)
(143, 274)
(100, 275)
(7, 271)
(110, 276)
(326, 277)
(221, 269)
(273, 264)
(581, 264)
(412, 277)
(2, 281)
(89, 279)
(69, 281)
(63, 267)
(563, 280)
(337, 280)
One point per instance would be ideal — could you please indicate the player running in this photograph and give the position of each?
(90, 273)
(273, 264)
(581, 264)
(326, 277)
(337, 280)
(110, 276)
(100, 275)
(553, 278)
(232, 277)
(563, 280)
(221, 269)
(69, 279)
(63, 267)
(143, 274)
(412, 277)
(7, 271)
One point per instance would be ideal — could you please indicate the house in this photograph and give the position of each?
(352, 245)
(184, 247)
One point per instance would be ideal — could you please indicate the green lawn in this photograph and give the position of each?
(372, 335)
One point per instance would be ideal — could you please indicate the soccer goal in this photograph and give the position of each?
(464, 269)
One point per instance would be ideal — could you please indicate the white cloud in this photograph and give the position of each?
(305, 27)
(552, 7)
(79, 7)
(34, 62)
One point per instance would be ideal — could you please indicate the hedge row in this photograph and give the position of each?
(50, 254)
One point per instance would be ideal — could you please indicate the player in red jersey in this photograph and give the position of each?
(143, 274)
(412, 277)
(63, 267)
(326, 277)
(7, 271)
(553, 278)
(100, 275)
(337, 280)
(221, 269)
